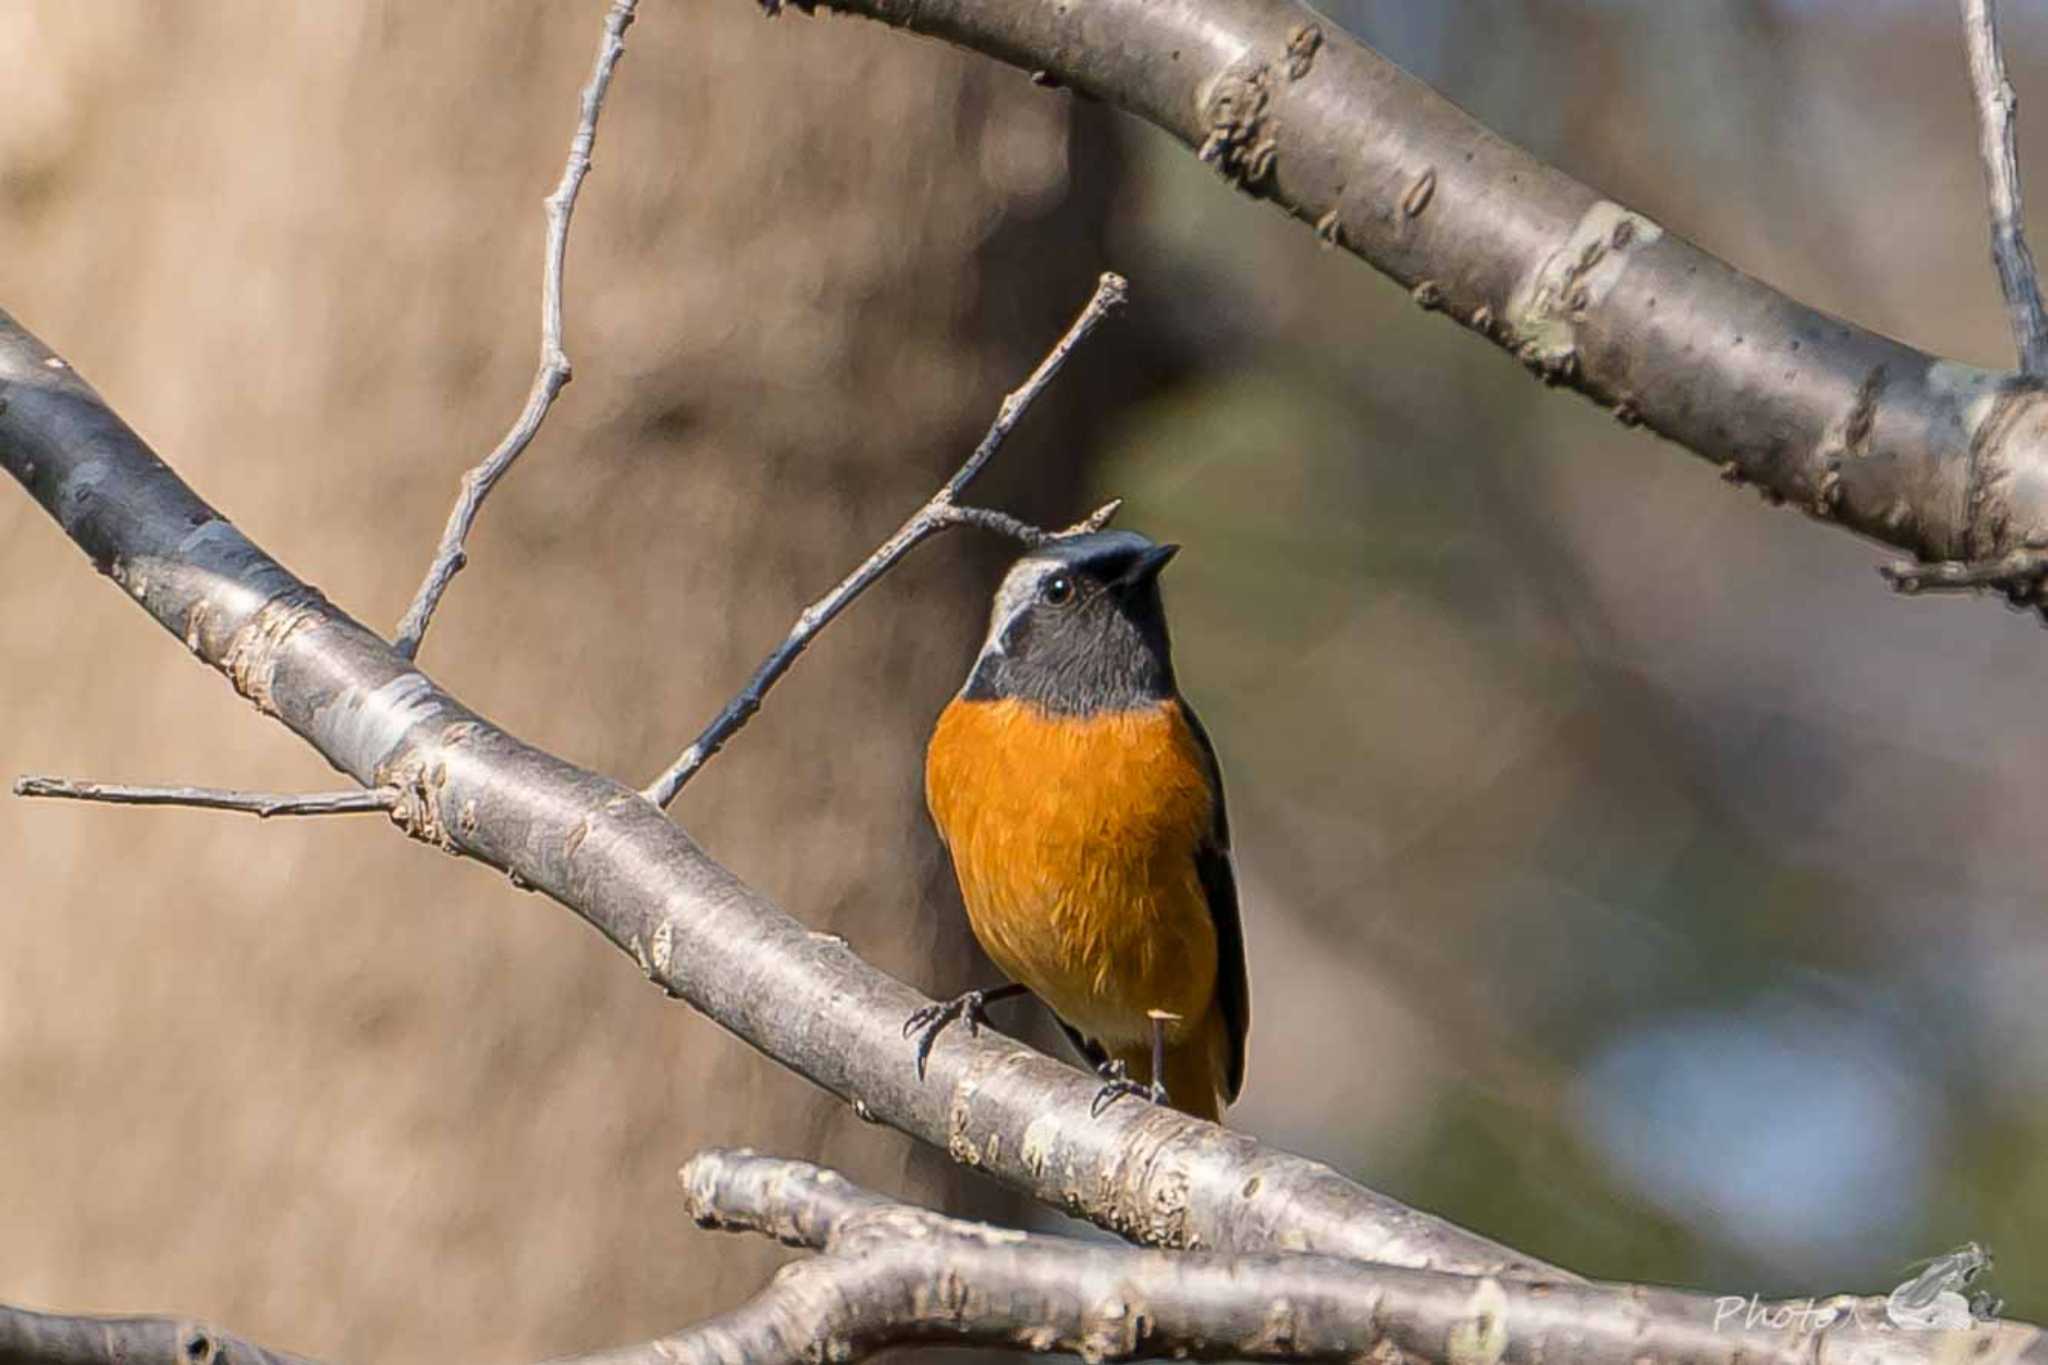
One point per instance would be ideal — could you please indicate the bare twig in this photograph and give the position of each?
(2018, 575)
(261, 804)
(942, 512)
(554, 371)
(893, 1274)
(1997, 142)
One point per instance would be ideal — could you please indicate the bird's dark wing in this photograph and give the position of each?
(1219, 885)
(1090, 1050)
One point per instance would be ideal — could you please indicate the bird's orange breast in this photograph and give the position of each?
(1074, 841)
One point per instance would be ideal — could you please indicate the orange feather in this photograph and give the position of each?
(1074, 840)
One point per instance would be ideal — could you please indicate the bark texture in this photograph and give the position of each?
(1943, 460)
(892, 1273)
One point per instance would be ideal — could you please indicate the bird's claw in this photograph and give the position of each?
(932, 1020)
(1117, 1083)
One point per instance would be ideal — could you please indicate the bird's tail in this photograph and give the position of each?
(1197, 1067)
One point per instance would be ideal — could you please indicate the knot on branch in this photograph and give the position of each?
(1234, 113)
(1574, 279)
(1302, 45)
(251, 652)
(416, 804)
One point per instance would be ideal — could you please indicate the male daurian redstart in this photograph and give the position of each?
(1083, 808)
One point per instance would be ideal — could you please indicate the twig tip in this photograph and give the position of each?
(1094, 521)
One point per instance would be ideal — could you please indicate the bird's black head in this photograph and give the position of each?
(1078, 628)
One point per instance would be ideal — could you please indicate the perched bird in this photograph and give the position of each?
(1083, 808)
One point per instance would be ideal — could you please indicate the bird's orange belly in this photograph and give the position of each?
(1074, 842)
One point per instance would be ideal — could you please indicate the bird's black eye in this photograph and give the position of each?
(1058, 590)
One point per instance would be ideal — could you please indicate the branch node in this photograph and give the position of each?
(262, 805)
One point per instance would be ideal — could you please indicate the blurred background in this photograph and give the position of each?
(1628, 875)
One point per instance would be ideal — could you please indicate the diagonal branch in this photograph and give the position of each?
(1998, 143)
(610, 855)
(941, 513)
(554, 371)
(1940, 459)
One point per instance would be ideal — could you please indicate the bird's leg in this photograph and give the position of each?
(1116, 1083)
(1160, 1019)
(1116, 1080)
(928, 1023)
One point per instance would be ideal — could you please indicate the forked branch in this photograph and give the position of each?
(894, 1274)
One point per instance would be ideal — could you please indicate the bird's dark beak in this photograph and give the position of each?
(1146, 566)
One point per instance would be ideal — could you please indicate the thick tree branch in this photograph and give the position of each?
(1998, 143)
(263, 805)
(942, 512)
(894, 1274)
(609, 854)
(554, 371)
(1941, 459)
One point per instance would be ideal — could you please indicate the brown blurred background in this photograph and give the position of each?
(1628, 875)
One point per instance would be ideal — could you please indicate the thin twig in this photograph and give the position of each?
(942, 512)
(263, 805)
(2018, 575)
(554, 372)
(1997, 142)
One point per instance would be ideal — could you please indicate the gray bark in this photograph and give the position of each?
(892, 1274)
(28, 1338)
(1941, 459)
